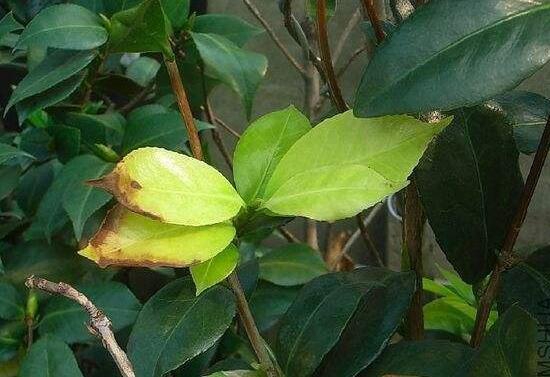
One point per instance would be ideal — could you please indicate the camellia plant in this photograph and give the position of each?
(111, 203)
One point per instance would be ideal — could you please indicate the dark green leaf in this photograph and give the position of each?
(144, 111)
(231, 27)
(175, 325)
(345, 318)
(143, 28)
(67, 26)
(54, 69)
(37, 142)
(479, 183)
(107, 6)
(12, 305)
(528, 285)
(79, 199)
(143, 70)
(262, 146)
(241, 70)
(269, 302)
(428, 358)
(7, 153)
(33, 186)
(293, 264)
(49, 357)
(508, 349)
(67, 142)
(66, 320)
(8, 24)
(527, 112)
(105, 128)
(10, 179)
(51, 96)
(490, 48)
(176, 11)
(165, 130)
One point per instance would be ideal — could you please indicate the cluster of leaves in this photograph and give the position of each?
(96, 106)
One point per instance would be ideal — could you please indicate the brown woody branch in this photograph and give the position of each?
(100, 326)
(507, 251)
(370, 9)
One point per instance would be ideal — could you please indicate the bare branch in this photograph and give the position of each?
(99, 326)
(254, 10)
(345, 35)
(370, 9)
(369, 243)
(227, 127)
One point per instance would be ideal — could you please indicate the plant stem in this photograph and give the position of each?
(250, 326)
(367, 239)
(324, 48)
(370, 9)
(507, 251)
(185, 109)
(413, 226)
(99, 326)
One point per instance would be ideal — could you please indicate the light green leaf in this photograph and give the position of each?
(143, 70)
(241, 70)
(172, 188)
(81, 200)
(65, 319)
(143, 28)
(262, 146)
(49, 357)
(52, 96)
(458, 286)
(231, 27)
(214, 270)
(177, 12)
(128, 239)
(164, 129)
(8, 24)
(66, 26)
(7, 152)
(54, 69)
(347, 164)
(12, 305)
(489, 49)
(175, 325)
(293, 264)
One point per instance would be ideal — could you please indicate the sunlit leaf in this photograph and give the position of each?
(215, 269)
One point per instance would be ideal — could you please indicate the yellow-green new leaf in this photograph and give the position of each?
(347, 164)
(129, 239)
(215, 269)
(172, 188)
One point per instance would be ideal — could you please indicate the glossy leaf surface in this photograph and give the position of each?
(214, 270)
(50, 357)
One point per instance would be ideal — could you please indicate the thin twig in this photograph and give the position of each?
(369, 243)
(227, 127)
(345, 35)
(353, 56)
(507, 251)
(324, 48)
(288, 235)
(355, 236)
(99, 326)
(137, 99)
(216, 134)
(254, 10)
(370, 9)
(185, 109)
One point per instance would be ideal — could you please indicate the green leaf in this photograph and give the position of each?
(54, 69)
(293, 264)
(509, 349)
(66, 26)
(342, 319)
(450, 314)
(143, 70)
(214, 270)
(129, 239)
(269, 302)
(172, 187)
(528, 285)
(66, 141)
(311, 8)
(9, 24)
(66, 320)
(107, 128)
(33, 186)
(143, 28)
(175, 325)
(80, 200)
(461, 59)
(426, 358)
(347, 164)
(241, 70)
(10, 179)
(231, 27)
(12, 305)
(7, 153)
(262, 146)
(107, 6)
(527, 112)
(479, 183)
(164, 129)
(49, 357)
(459, 287)
(237, 373)
(50, 97)
(177, 12)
